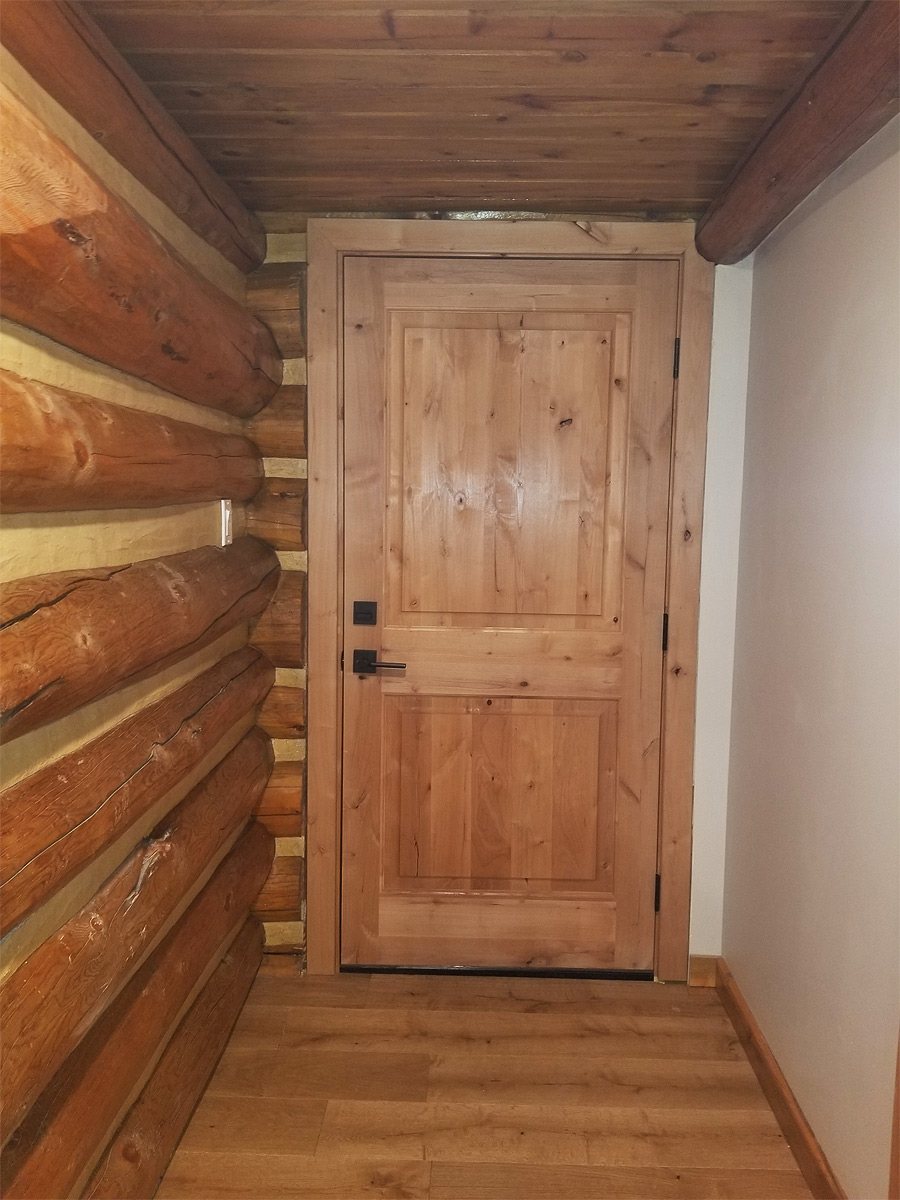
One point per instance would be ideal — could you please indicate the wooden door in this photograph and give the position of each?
(508, 428)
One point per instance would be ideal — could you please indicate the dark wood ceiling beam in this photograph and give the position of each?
(69, 56)
(850, 95)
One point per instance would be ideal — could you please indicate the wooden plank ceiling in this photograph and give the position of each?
(601, 106)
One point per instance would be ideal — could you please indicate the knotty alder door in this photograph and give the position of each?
(508, 430)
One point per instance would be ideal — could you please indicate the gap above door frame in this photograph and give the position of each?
(329, 241)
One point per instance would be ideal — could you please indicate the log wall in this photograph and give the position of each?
(140, 728)
(277, 516)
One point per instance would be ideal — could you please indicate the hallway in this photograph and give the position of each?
(481, 1089)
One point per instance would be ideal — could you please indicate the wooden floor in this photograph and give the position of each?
(481, 1089)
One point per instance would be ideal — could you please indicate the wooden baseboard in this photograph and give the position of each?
(894, 1184)
(703, 970)
(811, 1160)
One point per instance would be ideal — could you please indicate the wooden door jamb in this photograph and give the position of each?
(329, 241)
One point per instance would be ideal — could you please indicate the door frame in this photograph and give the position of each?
(329, 240)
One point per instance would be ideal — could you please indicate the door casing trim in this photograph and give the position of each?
(329, 240)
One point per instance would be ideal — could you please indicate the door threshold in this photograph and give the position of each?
(501, 972)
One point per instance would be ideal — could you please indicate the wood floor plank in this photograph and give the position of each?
(447, 1088)
(322, 1074)
(427, 1031)
(512, 1181)
(613, 998)
(223, 1175)
(271, 1125)
(561, 1134)
(339, 991)
(619, 1083)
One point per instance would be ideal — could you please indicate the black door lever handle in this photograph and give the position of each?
(365, 663)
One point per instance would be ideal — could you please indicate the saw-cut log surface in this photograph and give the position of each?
(140, 1151)
(49, 1004)
(81, 267)
(844, 102)
(70, 1123)
(277, 515)
(274, 294)
(71, 636)
(283, 713)
(56, 820)
(64, 50)
(63, 451)
(279, 631)
(280, 808)
(279, 899)
(279, 430)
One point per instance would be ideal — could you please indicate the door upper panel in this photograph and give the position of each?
(511, 469)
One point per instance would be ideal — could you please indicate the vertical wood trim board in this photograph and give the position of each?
(816, 1170)
(329, 240)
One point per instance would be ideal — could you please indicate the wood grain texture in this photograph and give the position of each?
(281, 806)
(703, 970)
(843, 102)
(325, 618)
(65, 451)
(680, 671)
(329, 243)
(283, 713)
(699, 82)
(71, 636)
(286, 938)
(277, 515)
(63, 49)
(816, 1169)
(296, 24)
(279, 898)
(279, 429)
(524, 1089)
(52, 1000)
(275, 294)
(509, 484)
(481, 1181)
(137, 1156)
(74, 1116)
(59, 818)
(280, 630)
(81, 267)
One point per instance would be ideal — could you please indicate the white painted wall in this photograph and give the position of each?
(718, 598)
(812, 880)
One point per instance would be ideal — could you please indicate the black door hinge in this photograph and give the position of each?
(342, 660)
(656, 894)
(676, 361)
(665, 633)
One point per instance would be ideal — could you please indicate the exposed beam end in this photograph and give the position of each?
(845, 100)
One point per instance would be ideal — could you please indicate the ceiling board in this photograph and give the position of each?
(613, 105)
